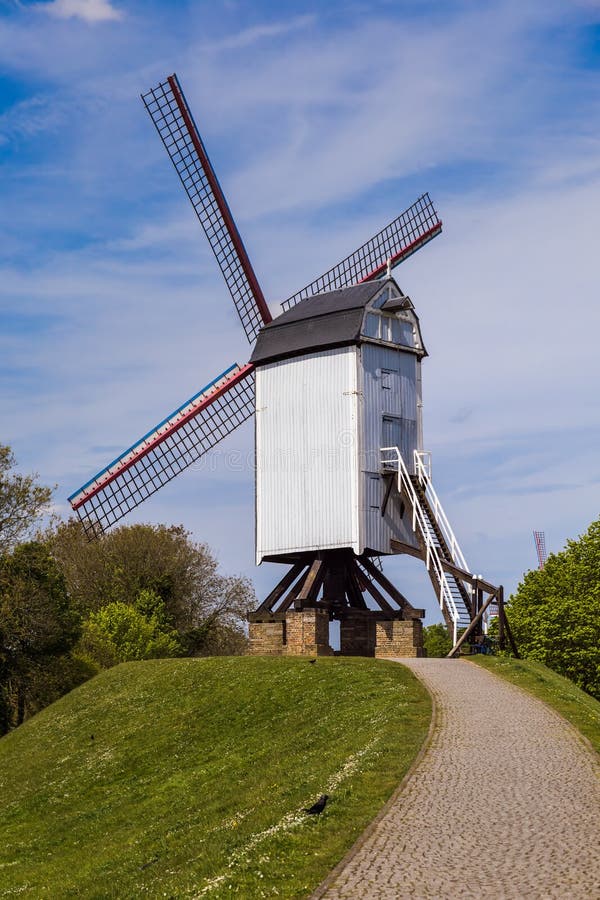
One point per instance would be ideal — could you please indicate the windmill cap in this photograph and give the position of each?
(331, 319)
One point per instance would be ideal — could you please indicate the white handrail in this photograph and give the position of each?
(420, 521)
(423, 473)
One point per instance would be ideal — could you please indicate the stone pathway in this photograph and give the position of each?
(505, 803)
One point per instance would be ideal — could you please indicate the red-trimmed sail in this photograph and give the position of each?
(165, 451)
(396, 242)
(174, 122)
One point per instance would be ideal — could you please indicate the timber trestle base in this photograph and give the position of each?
(334, 585)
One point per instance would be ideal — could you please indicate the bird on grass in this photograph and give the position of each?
(312, 661)
(318, 807)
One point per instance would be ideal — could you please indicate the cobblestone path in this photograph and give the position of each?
(505, 803)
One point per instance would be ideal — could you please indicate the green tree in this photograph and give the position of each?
(555, 612)
(119, 632)
(207, 608)
(436, 640)
(22, 502)
(37, 628)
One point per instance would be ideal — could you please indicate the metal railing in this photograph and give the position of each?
(391, 459)
(423, 473)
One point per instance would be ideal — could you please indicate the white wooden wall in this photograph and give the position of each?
(307, 433)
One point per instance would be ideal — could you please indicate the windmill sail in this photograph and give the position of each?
(173, 445)
(174, 122)
(407, 233)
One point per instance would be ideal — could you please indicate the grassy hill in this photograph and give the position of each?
(179, 778)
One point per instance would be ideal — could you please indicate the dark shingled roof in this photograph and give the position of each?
(325, 320)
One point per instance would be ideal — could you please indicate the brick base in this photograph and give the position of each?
(265, 638)
(307, 633)
(302, 633)
(357, 634)
(397, 637)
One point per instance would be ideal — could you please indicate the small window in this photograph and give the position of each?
(386, 380)
(386, 328)
(374, 488)
(372, 325)
(407, 333)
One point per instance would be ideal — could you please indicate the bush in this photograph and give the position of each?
(436, 640)
(555, 613)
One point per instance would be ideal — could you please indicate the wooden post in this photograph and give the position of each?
(511, 639)
(501, 620)
(470, 628)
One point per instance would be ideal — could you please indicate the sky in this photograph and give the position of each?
(323, 122)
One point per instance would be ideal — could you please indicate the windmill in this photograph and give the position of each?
(333, 379)
(539, 538)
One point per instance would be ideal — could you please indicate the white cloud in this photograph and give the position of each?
(87, 10)
(250, 36)
(318, 140)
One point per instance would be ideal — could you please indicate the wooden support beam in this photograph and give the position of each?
(504, 621)
(401, 547)
(376, 593)
(312, 584)
(353, 588)
(407, 608)
(471, 627)
(409, 549)
(279, 590)
(292, 594)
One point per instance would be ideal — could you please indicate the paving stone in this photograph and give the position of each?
(505, 803)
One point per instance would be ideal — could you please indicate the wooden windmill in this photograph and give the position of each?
(342, 478)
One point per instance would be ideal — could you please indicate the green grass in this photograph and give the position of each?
(194, 781)
(571, 702)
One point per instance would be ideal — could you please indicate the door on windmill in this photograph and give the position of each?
(399, 432)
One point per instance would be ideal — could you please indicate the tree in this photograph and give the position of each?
(37, 627)
(555, 613)
(206, 608)
(121, 633)
(22, 501)
(436, 640)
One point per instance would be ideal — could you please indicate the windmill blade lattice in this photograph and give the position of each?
(174, 122)
(407, 233)
(177, 442)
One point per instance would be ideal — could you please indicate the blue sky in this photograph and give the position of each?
(323, 124)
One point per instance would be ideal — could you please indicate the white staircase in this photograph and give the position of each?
(432, 528)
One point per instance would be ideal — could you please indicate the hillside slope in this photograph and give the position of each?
(188, 777)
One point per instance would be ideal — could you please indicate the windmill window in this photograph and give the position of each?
(404, 333)
(386, 380)
(386, 328)
(372, 325)
(374, 487)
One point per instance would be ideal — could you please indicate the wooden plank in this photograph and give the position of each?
(292, 594)
(401, 547)
(502, 607)
(389, 588)
(281, 587)
(409, 549)
(471, 627)
(376, 593)
(312, 583)
(353, 589)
